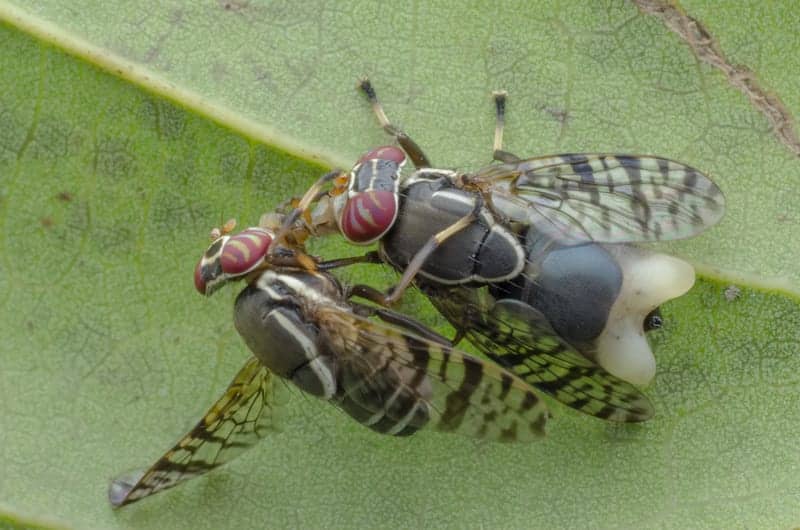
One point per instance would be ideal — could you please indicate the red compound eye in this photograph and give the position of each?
(387, 152)
(368, 215)
(244, 251)
(199, 281)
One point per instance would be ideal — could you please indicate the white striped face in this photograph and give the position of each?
(231, 257)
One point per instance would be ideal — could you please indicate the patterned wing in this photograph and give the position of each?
(245, 413)
(606, 198)
(519, 337)
(396, 382)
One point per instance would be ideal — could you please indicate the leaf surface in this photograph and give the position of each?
(111, 179)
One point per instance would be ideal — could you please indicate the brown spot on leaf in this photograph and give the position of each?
(233, 5)
(707, 50)
(560, 115)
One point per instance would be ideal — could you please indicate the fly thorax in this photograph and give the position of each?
(277, 309)
(508, 205)
(432, 175)
(481, 251)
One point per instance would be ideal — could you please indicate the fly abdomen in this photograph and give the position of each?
(389, 402)
(574, 286)
(275, 317)
(599, 298)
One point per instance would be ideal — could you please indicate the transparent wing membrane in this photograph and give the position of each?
(392, 372)
(244, 414)
(519, 337)
(604, 197)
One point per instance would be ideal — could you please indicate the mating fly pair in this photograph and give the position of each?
(526, 258)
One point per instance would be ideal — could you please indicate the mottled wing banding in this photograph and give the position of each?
(521, 339)
(453, 391)
(244, 414)
(607, 198)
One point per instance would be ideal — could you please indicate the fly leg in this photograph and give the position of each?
(500, 123)
(370, 257)
(424, 253)
(296, 258)
(393, 294)
(314, 193)
(408, 145)
(397, 319)
(481, 181)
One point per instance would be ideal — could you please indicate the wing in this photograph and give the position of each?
(396, 382)
(244, 414)
(519, 337)
(605, 198)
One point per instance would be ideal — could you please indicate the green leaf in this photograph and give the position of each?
(110, 182)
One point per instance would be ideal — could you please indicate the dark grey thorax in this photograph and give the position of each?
(278, 316)
(271, 315)
(483, 252)
(573, 286)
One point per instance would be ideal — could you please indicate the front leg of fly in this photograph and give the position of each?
(314, 194)
(409, 146)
